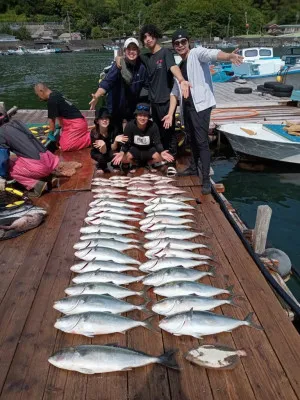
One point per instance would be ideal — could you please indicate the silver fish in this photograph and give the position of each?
(119, 184)
(175, 200)
(105, 254)
(174, 244)
(173, 234)
(165, 220)
(106, 276)
(185, 288)
(94, 302)
(162, 179)
(169, 252)
(101, 183)
(136, 200)
(215, 356)
(107, 196)
(178, 304)
(168, 207)
(176, 274)
(117, 237)
(174, 213)
(108, 222)
(107, 243)
(99, 323)
(202, 323)
(109, 215)
(139, 193)
(169, 191)
(158, 227)
(115, 210)
(119, 178)
(107, 229)
(170, 262)
(108, 190)
(139, 186)
(111, 203)
(119, 292)
(84, 266)
(92, 359)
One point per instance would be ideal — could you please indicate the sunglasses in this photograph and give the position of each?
(182, 42)
(143, 108)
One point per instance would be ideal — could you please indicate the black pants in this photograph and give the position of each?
(102, 159)
(197, 124)
(167, 136)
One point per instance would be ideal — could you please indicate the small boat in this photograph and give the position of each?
(265, 141)
(20, 51)
(110, 47)
(46, 49)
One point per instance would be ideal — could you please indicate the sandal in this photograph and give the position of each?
(171, 171)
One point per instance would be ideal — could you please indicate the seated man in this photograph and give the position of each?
(105, 140)
(74, 129)
(34, 163)
(143, 144)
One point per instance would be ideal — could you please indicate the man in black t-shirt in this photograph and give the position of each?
(74, 129)
(143, 144)
(161, 69)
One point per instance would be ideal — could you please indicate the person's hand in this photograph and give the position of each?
(167, 120)
(236, 59)
(117, 158)
(118, 61)
(99, 143)
(185, 88)
(165, 155)
(93, 102)
(2, 184)
(121, 139)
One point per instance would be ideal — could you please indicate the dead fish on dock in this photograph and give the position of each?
(99, 323)
(119, 292)
(179, 304)
(108, 196)
(109, 215)
(121, 178)
(174, 244)
(161, 226)
(136, 200)
(107, 243)
(139, 186)
(106, 276)
(95, 302)
(169, 252)
(168, 207)
(109, 190)
(111, 203)
(115, 230)
(140, 193)
(92, 359)
(176, 274)
(116, 237)
(216, 356)
(172, 233)
(169, 191)
(84, 266)
(167, 213)
(117, 210)
(165, 220)
(202, 323)
(108, 222)
(185, 288)
(24, 223)
(176, 200)
(169, 262)
(105, 254)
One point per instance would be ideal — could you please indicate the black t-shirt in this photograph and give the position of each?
(159, 74)
(142, 139)
(60, 107)
(183, 68)
(109, 139)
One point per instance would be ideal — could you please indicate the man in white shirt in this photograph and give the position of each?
(196, 109)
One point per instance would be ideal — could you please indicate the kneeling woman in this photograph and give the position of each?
(105, 140)
(143, 144)
(34, 163)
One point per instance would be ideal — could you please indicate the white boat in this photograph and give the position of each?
(44, 50)
(20, 51)
(264, 141)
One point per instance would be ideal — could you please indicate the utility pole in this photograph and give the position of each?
(228, 26)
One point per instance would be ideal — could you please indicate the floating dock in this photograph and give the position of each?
(35, 270)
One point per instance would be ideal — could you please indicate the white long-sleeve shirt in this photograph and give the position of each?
(199, 77)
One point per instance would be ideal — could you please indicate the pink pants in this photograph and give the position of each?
(28, 171)
(74, 134)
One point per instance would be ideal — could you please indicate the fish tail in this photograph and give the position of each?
(249, 321)
(241, 353)
(168, 359)
(147, 323)
(212, 270)
(144, 295)
(231, 300)
(144, 308)
(230, 289)
(208, 235)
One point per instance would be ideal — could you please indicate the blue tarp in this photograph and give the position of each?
(280, 131)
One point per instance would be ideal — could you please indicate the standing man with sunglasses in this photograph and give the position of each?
(161, 69)
(196, 108)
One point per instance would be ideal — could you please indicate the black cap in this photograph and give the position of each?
(103, 113)
(180, 34)
(142, 108)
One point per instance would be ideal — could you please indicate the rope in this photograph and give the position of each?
(248, 113)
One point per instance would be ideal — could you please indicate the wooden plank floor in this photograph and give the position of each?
(35, 270)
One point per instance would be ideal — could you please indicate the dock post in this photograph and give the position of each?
(262, 223)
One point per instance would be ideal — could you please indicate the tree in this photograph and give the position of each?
(96, 32)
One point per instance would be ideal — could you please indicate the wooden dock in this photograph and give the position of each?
(35, 270)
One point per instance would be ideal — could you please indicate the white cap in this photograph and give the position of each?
(129, 41)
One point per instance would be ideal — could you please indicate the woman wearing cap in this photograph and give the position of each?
(105, 140)
(196, 108)
(123, 87)
(143, 145)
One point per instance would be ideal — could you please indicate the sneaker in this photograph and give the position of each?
(206, 188)
(171, 171)
(38, 189)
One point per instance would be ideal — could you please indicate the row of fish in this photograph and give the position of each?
(95, 300)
